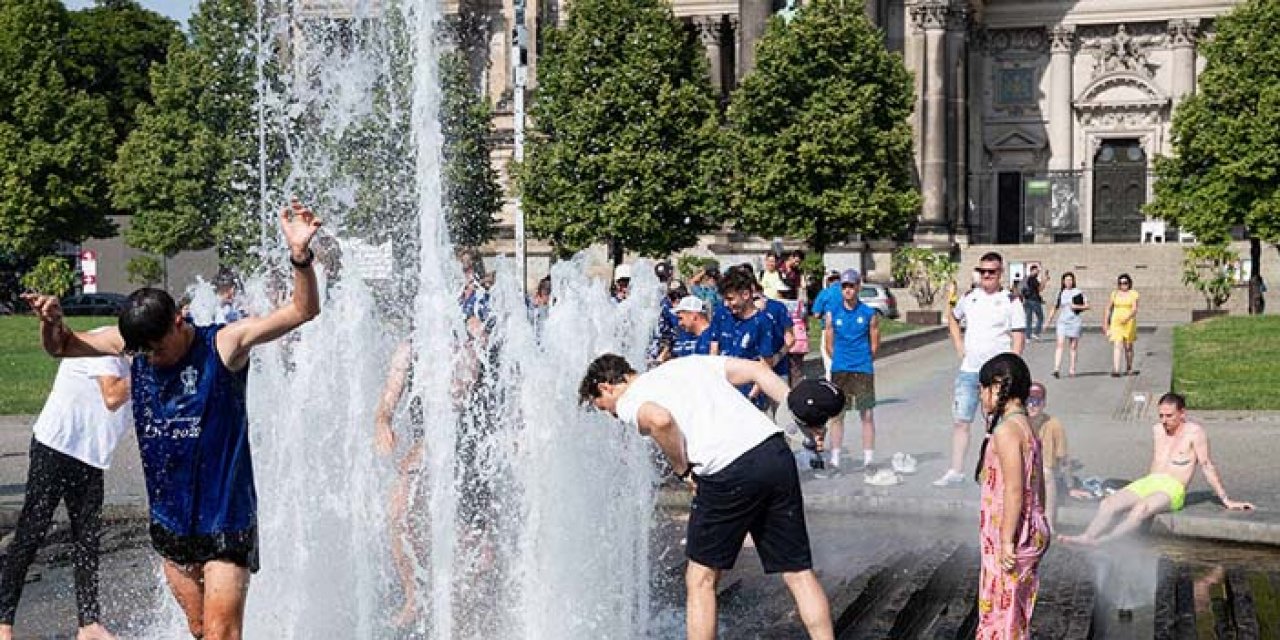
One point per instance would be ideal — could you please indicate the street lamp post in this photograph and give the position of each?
(519, 68)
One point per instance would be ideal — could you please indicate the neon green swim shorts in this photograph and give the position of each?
(1160, 483)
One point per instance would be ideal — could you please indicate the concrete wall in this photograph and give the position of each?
(114, 255)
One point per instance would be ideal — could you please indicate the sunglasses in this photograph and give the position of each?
(1125, 283)
(1035, 402)
(987, 272)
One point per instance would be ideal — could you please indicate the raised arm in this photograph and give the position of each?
(61, 342)
(741, 372)
(236, 339)
(1200, 443)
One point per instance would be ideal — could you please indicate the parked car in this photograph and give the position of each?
(880, 298)
(94, 304)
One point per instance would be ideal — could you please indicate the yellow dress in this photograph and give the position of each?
(1124, 326)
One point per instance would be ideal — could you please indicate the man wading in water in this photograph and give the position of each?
(193, 433)
(744, 471)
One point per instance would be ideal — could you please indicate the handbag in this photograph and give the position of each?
(1078, 299)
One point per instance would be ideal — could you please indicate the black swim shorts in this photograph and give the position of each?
(759, 493)
(239, 548)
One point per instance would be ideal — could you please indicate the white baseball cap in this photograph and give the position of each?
(690, 303)
(622, 271)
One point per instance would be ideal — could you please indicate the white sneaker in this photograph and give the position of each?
(882, 478)
(950, 479)
(904, 463)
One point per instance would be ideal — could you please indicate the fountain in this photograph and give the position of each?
(534, 515)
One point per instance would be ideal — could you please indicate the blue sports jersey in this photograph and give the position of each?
(781, 317)
(750, 338)
(851, 348)
(687, 344)
(193, 435)
(827, 300)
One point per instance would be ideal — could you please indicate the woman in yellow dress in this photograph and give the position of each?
(1122, 324)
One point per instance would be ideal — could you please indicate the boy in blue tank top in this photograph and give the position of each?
(193, 431)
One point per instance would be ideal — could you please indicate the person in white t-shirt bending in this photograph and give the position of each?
(995, 323)
(74, 438)
(744, 472)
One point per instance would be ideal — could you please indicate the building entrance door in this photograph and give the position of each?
(1009, 207)
(1119, 191)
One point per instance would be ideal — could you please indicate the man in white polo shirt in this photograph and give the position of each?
(74, 438)
(995, 323)
(744, 472)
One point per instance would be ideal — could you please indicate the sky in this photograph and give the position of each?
(179, 10)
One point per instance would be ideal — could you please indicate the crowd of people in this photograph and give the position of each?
(730, 350)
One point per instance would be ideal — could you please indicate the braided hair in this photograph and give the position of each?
(1013, 378)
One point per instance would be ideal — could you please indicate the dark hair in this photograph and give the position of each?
(991, 256)
(1175, 399)
(147, 317)
(1010, 372)
(1124, 276)
(609, 368)
(737, 279)
(772, 254)
(544, 286)
(796, 253)
(1062, 286)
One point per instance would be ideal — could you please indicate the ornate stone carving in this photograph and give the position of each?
(931, 14)
(1183, 33)
(1120, 118)
(710, 30)
(1121, 52)
(1000, 40)
(1062, 39)
(958, 18)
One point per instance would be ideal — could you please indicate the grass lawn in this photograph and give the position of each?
(887, 328)
(26, 371)
(1228, 363)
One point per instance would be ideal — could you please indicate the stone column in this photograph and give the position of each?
(1061, 120)
(710, 31)
(931, 17)
(753, 17)
(958, 113)
(1182, 36)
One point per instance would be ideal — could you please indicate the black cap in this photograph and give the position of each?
(813, 402)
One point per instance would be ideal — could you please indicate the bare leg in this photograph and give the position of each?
(1117, 348)
(94, 631)
(226, 588)
(868, 429)
(402, 535)
(1128, 357)
(1075, 350)
(1057, 354)
(187, 584)
(835, 437)
(700, 601)
(1112, 505)
(811, 602)
(6, 632)
(959, 444)
(1148, 508)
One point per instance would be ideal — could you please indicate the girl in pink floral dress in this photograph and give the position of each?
(1014, 531)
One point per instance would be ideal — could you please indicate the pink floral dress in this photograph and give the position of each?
(1006, 599)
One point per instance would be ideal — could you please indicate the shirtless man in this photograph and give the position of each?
(1179, 446)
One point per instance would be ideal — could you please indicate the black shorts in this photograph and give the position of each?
(239, 548)
(759, 493)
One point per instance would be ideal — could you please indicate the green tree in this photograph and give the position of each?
(1225, 171)
(186, 172)
(55, 140)
(146, 271)
(625, 136)
(820, 144)
(52, 276)
(472, 195)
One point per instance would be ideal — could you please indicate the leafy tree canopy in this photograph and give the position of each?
(820, 139)
(472, 194)
(625, 136)
(1225, 170)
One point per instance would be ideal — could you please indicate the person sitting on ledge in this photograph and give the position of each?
(1179, 446)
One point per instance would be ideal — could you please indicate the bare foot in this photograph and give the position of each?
(6, 632)
(94, 631)
(1078, 540)
(407, 616)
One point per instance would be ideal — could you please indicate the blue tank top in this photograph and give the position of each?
(193, 434)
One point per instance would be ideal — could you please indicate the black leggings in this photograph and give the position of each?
(53, 477)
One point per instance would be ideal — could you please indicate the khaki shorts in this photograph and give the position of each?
(859, 389)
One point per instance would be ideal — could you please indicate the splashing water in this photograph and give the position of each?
(527, 517)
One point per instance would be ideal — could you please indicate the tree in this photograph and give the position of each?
(51, 276)
(472, 195)
(1225, 171)
(820, 143)
(925, 272)
(186, 172)
(55, 140)
(625, 135)
(145, 271)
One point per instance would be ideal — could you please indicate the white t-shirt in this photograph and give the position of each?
(719, 423)
(990, 319)
(75, 419)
